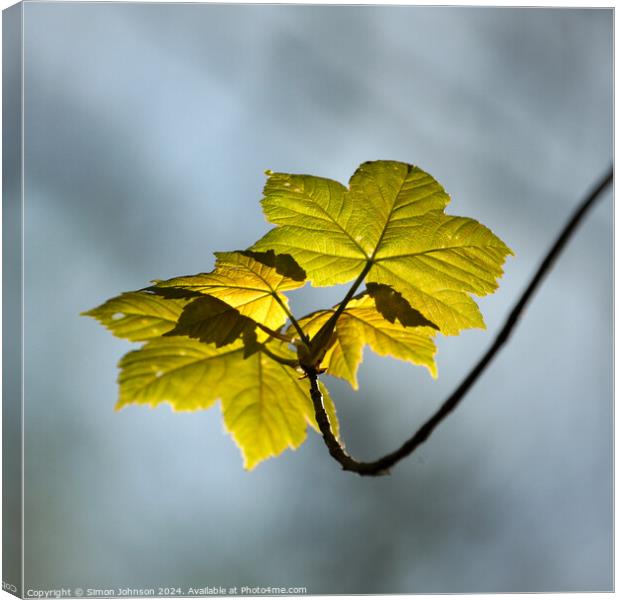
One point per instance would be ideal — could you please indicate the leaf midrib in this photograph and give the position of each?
(389, 217)
(423, 252)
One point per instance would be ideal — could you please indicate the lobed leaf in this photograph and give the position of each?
(210, 336)
(266, 407)
(390, 221)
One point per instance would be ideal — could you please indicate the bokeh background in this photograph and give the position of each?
(148, 128)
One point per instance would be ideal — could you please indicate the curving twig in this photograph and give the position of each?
(382, 465)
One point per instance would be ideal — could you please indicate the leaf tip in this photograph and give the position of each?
(432, 369)
(268, 172)
(249, 464)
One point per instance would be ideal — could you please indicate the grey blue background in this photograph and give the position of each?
(147, 131)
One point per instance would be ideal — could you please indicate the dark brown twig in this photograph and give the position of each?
(382, 465)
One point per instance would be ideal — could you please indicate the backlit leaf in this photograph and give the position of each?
(218, 336)
(138, 316)
(390, 221)
(362, 324)
(251, 282)
(266, 407)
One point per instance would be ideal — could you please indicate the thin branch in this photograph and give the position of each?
(382, 465)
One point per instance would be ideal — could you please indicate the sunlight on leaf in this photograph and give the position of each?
(266, 407)
(390, 219)
(248, 282)
(138, 316)
(229, 335)
(362, 324)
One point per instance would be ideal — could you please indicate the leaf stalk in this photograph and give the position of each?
(323, 336)
(304, 338)
(280, 359)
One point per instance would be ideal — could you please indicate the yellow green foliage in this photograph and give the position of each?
(230, 336)
(391, 218)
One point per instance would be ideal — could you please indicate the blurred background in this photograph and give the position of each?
(148, 128)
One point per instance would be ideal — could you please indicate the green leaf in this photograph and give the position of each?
(217, 336)
(138, 316)
(363, 324)
(266, 406)
(391, 222)
(251, 282)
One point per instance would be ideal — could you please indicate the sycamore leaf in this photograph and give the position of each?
(390, 221)
(265, 405)
(217, 336)
(251, 282)
(138, 316)
(363, 324)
